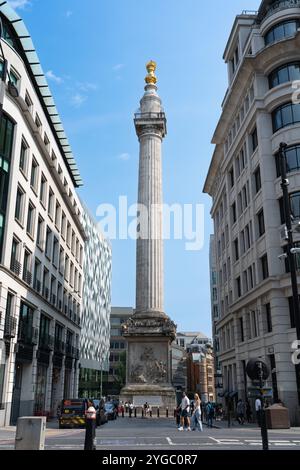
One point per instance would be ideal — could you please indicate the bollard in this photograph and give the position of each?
(150, 413)
(30, 433)
(135, 412)
(158, 412)
(167, 412)
(142, 412)
(122, 412)
(90, 428)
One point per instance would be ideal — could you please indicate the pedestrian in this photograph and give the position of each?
(248, 412)
(240, 411)
(258, 410)
(90, 434)
(146, 409)
(126, 407)
(210, 413)
(178, 414)
(184, 417)
(196, 417)
(130, 409)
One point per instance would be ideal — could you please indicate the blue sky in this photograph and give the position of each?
(94, 53)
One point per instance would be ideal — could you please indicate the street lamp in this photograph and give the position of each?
(291, 250)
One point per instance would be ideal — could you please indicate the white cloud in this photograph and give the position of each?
(124, 156)
(53, 77)
(77, 100)
(118, 67)
(87, 86)
(69, 13)
(19, 3)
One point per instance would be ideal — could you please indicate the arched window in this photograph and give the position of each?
(285, 73)
(282, 30)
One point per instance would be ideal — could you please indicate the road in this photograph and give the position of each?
(162, 434)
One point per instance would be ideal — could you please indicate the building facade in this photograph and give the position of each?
(200, 371)
(41, 239)
(118, 350)
(259, 112)
(96, 306)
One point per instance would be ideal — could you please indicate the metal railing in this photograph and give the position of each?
(59, 346)
(27, 276)
(278, 6)
(28, 335)
(10, 327)
(16, 266)
(142, 116)
(46, 342)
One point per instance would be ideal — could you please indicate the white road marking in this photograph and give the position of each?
(170, 441)
(213, 439)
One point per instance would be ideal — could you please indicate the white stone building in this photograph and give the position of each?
(41, 240)
(258, 113)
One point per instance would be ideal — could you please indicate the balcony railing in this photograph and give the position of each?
(10, 327)
(46, 342)
(28, 335)
(27, 276)
(16, 267)
(59, 346)
(276, 7)
(142, 116)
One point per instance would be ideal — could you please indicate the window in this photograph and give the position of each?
(55, 252)
(284, 74)
(63, 225)
(67, 268)
(69, 234)
(34, 174)
(14, 78)
(238, 287)
(46, 283)
(53, 290)
(295, 205)
(30, 219)
(73, 243)
(23, 156)
(257, 180)
(43, 190)
(47, 142)
(233, 213)
(250, 278)
(254, 325)
(264, 267)
(236, 249)
(292, 157)
(40, 232)
(57, 215)
(254, 140)
(261, 223)
(285, 115)
(37, 275)
(81, 256)
(51, 203)
(38, 122)
(231, 177)
(28, 101)
(48, 242)
(61, 260)
(281, 30)
(268, 318)
(19, 204)
(27, 267)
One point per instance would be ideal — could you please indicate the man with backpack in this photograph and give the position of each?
(210, 413)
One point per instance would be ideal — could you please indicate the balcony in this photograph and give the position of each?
(268, 10)
(15, 267)
(28, 335)
(59, 346)
(27, 277)
(10, 327)
(46, 342)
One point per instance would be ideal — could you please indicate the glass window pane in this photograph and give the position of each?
(283, 75)
(287, 115)
(290, 28)
(294, 72)
(277, 121)
(291, 159)
(278, 32)
(296, 113)
(295, 205)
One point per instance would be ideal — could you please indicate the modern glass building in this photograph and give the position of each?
(95, 331)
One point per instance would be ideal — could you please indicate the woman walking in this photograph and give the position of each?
(196, 419)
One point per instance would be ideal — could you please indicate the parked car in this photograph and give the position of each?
(110, 410)
(101, 416)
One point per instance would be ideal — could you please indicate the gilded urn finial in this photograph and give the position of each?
(151, 78)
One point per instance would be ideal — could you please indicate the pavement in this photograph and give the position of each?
(161, 434)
